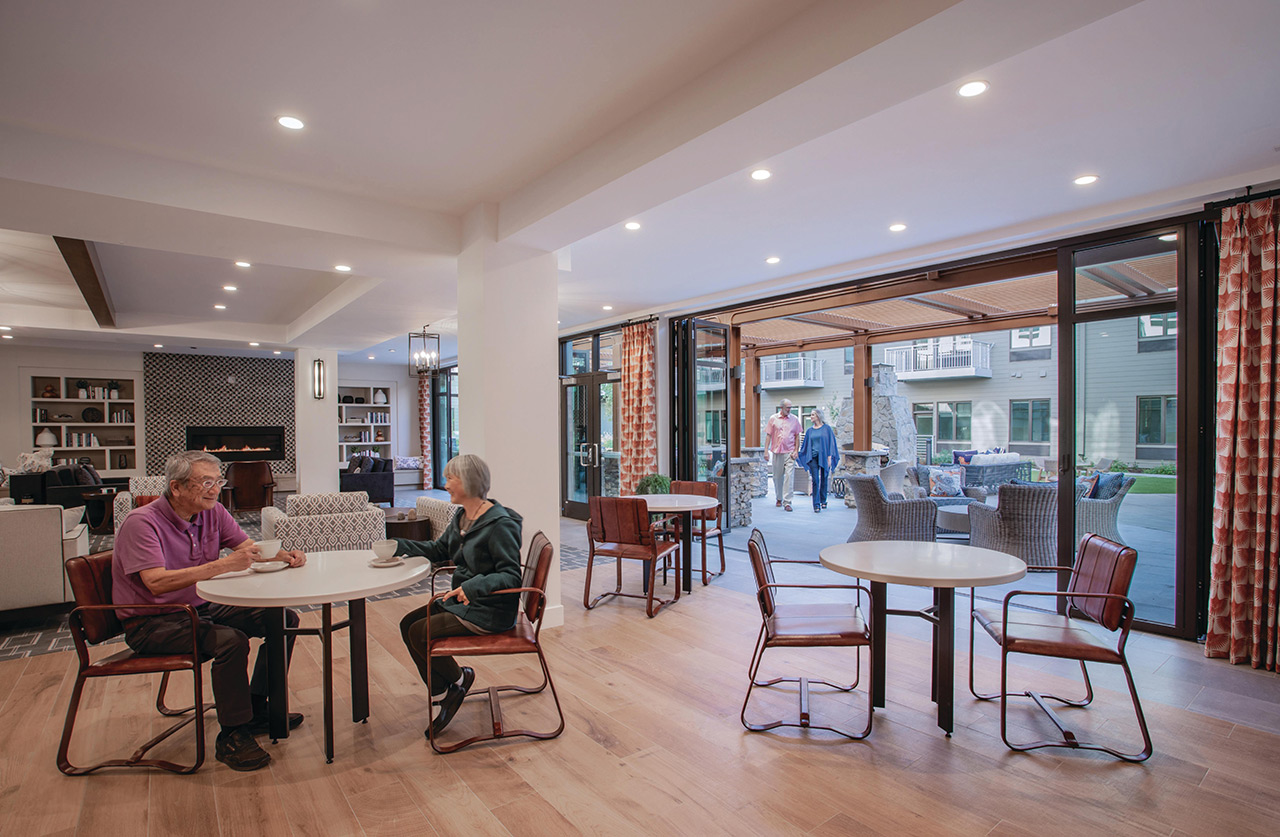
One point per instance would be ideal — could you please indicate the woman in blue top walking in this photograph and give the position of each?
(819, 455)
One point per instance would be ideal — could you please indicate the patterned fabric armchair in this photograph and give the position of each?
(916, 487)
(316, 522)
(439, 512)
(139, 487)
(888, 517)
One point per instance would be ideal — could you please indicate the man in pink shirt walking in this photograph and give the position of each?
(782, 435)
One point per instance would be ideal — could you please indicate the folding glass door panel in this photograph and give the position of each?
(589, 450)
(700, 362)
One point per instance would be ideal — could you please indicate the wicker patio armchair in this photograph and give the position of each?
(916, 486)
(882, 517)
(1101, 516)
(1023, 523)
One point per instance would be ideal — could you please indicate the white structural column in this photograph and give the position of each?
(507, 376)
(315, 423)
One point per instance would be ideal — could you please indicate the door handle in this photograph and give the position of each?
(584, 454)
(594, 460)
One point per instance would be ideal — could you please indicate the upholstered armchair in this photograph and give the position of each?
(438, 512)
(886, 517)
(1100, 517)
(141, 490)
(37, 539)
(915, 486)
(317, 522)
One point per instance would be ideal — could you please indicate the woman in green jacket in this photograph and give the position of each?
(482, 541)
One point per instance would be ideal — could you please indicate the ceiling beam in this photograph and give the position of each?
(82, 261)
(1108, 278)
(830, 320)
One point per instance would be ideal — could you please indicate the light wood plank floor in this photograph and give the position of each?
(653, 746)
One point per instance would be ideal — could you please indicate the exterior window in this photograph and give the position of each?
(955, 421)
(923, 415)
(1031, 343)
(849, 353)
(1157, 420)
(1029, 421)
(577, 356)
(610, 351)
(1158, 332)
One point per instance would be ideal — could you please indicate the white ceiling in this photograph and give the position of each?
(148, 128)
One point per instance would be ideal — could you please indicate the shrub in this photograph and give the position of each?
(941, 459)
(654, 484)
(1166, 468)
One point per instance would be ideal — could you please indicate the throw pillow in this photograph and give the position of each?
(83, 474)
(1089, 484)
(71, 517)
(961, 457)
(944, 482)
(408, 463)
(1108, 486)
(140, 500)
(94, 477)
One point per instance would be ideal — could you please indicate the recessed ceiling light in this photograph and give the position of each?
(220, 307)
(291, 122)
(557, 322)
(973, 88)
(254, 344)
(342, 268)
(772, 260)
(6, 336)
(393, 351)
(275, 351)
(1169, 237)
(6, 328)
(632, 225)
(370, 357)
(157, 345)
(761, 174)
(608, 307)
(1086, 179)
(229, 287)
(243, 264)
(897, 227)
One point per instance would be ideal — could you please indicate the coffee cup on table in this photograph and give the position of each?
(385, 550)
(269, 549)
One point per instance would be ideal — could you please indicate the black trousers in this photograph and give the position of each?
(223, 635)
(413, 630)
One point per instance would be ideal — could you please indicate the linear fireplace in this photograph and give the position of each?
(238, 444)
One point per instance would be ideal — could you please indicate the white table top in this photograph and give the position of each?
(925, 564)
(333, 576)
(678, 502)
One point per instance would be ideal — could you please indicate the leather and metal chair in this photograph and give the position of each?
(706, 523)
(804, 625)
(885, 518)
(521, 639)
(94, 621)
(619, 528)
(251, 486)
(1098, 592)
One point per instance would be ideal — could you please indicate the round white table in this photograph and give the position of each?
(942, 566)
(684, 505)
(327, 577)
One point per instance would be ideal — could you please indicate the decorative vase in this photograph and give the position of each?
(379, 397)
(46, 439)
(82, 393)
(122, 461)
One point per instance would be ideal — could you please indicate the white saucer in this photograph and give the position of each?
(380, 564)
(268, 566)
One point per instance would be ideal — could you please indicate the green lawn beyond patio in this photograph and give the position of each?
(1154, 485)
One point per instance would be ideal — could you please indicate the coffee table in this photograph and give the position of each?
(684, 505)
(410, 527)
(942, 566)
(327, 577)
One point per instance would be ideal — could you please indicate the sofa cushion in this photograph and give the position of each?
(961, 457)
(300, 505)
(945, 482)
(1108, 486)
(1089, 484)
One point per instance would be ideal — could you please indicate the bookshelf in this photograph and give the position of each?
(364, 424)
(90, 417)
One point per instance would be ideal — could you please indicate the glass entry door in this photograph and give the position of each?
(700, 361)
(444, 422)
(589, 452)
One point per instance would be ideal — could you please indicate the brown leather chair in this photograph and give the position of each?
(522, 639)
(1099, 592)
(250, 486)
(94, 621)
(619, 528)
(706, 523)
(803, 625)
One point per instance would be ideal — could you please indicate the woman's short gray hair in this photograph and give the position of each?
(471, 472)
(817, 411)
(177, 468)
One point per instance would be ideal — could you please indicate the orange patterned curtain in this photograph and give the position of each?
(638, 405)
(1246, 513)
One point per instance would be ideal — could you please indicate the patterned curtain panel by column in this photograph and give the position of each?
(638, 405)
(1246, 513)
(424, 428)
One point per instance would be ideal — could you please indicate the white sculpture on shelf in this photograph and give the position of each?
(36, 462)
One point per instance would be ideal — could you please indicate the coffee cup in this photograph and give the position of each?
(269, 549)
(385, 550)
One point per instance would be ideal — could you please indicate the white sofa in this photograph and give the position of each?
(318, 522)
(34, 543)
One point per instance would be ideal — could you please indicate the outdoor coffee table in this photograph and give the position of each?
(942, 566)
(327, 577)
(684, 505)
(954, 519)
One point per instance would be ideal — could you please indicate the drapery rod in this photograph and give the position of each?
(652, 318)
(1245, 198)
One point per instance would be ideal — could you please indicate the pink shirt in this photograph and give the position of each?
(155, 536)
(782, 433)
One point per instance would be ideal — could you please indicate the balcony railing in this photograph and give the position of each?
(790, 372)
(935, 359)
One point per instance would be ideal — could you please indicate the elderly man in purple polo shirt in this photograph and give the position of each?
(161, 551)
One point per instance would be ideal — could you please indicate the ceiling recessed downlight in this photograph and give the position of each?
(293, 123)
(761, 174)
(1085, 179)
(229, 288)
(1169, 237)
(632, 225)
(342, 268)
(772, 260)
(6, 336)
(220, 307)
(243, 264)
(255, 344)
(897, 227)
(973, 88)
(275, 351)
(608, 307)
(370, 357)
(157, 345)
(6, 328)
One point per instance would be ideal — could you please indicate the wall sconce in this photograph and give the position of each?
(424, 353)
(317, 378)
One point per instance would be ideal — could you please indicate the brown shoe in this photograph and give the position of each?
(238, 750)
(787, 507)
(778, 504)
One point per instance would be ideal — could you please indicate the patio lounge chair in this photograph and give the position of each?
(916, 487)
(886, 517)
(1100, 516)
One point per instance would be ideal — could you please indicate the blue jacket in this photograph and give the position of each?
(819, 445)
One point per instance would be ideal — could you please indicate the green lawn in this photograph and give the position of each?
(1154, 485)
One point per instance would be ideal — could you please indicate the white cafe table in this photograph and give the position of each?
(942, 566)
(327, 577)
(684, 505)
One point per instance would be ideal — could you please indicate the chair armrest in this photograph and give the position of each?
(449, 568)
(977, 492)
(1059, 594)
(75, 623)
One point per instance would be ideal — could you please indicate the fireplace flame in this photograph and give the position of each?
(244, 449)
